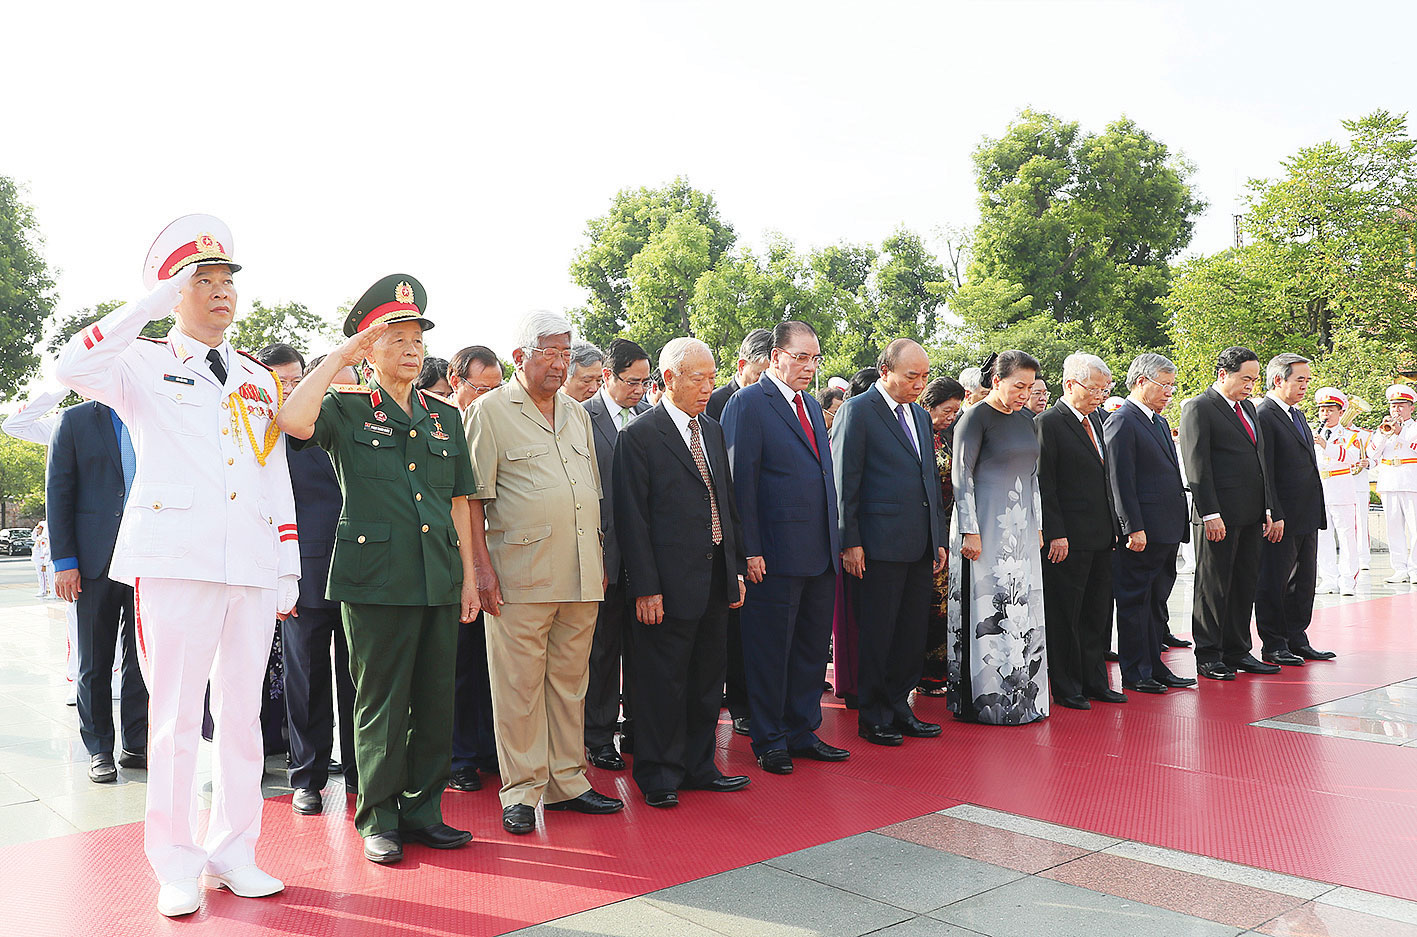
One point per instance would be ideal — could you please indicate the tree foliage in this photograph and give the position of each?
(293, 323)
(26, 290)
(21, 477)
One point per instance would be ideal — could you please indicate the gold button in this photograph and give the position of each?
(412, 466)
(270, 520)
(445, 452)
(425, 528)
(233, 496)
(224, 430)
(223, 405)
(230, 461)
(413, 432)
(579, 532)
(375, 442)
(563, 458)
(361, 538)
(526, 540)
(578, 507)
(179, 397)
(157, 505)
(418, 496)
(573, 481)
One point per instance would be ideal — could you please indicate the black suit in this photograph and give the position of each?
(1284, 601)
(310, 693)
(719, 398)
(1226, 469)
(663, 511)
(735, 682)
(84, 495)
(1077, 592)
(888, 503)
(1149, 496)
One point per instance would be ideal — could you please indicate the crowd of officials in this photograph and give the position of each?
(476, 577)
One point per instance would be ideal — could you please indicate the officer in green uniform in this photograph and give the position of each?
(402, 565)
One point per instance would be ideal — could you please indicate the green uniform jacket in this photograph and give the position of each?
(395, 543)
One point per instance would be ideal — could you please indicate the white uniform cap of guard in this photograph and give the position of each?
(1330, 395)
(1113, 404)
(191, 239)
(1401, 392)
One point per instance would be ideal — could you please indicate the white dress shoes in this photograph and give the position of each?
(178, 898)
(1397, 577)
(246, 881)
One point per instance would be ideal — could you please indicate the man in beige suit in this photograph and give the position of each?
(540, 572)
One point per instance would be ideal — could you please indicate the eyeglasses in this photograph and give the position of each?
(1165, 388)
(634, 381)
(477, 390)
(1095, 391)
(550, 354)
(801, 357)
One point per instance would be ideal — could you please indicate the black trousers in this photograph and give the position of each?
(105, 610)
(1141, 584)
(787, 629)
(1077, 613)
(1227, 572)
(310, 694)
(611, 670)
(678, 680)
(474, 741)
(1284, 600)
(892, 616)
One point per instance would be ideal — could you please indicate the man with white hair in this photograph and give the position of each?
(536, 545)
(583, 377)
(972, 380)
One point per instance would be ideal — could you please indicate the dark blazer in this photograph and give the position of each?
(664, 516)
(719, 398)
(1073, 482)
(786, 495)
(604, 433)
(1145, 475)
(1293, 469)
(1226, 471)
(84, 488)
(317, 508)
(888, 490)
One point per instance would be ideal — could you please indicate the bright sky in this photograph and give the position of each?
(468, 143)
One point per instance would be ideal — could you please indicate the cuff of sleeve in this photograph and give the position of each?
(1210, 517)
(65, 563)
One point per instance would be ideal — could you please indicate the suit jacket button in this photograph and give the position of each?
(708, 556)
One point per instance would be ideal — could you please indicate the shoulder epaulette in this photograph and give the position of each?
(249, 356)
(438, 397)
(351, 389)
(155, 341)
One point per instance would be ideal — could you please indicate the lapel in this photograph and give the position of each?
(1065, 413)
(669, 435)
(603, 422)
(103, 427)
(1284, 415)
(783, 409)
(518, 396)
(1152, 431)
(884, 410)
(1233, 419)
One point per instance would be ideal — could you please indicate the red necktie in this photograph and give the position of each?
(1249, 431)
(807, 426)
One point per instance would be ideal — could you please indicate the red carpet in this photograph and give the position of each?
(1184, 770)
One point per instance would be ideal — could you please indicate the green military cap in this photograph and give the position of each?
(398, 297)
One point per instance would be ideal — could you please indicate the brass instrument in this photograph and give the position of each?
(1356, 405)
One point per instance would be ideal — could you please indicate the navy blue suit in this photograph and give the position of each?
(1149, 496)
(84, 495)
(787, 503)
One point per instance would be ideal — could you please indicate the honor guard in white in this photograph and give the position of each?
(1342, 454)
(1362, 484)
(208, 542)
(1394, 448)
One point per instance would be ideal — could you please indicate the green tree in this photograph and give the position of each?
(290, 322)
(21, 477)
(70, 324)
(27, 294)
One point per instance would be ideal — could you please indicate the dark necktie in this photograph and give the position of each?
(905, 425)
(1299, 422)
(218, 366)
(807, 426)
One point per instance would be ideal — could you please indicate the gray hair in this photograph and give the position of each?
(1148, 365)
(972, 379)
(584, 355)
(671, 357)
(757, 346)
(537, 324)
(1281, 367)
(1079, 366)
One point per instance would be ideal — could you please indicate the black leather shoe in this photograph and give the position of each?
(589, 802)
(775, 761)
(1172, 641)
(465, 779)
(914, 728)
(662, 799)
(384, 848)
(1249, 665)
(306, 802)
(1110, 656)
(101, 769)
(1108, 695)
(742, 726)
(722, 784)
(608, 758)
(1215, 671)
(439, 836)
(1072, 702)
(135, 760)
(518, 818)
(851, 700)
(1308, 653)
(1283, 658)
(1144, 686)
(820, 751)
(880, 735)
(1175, 682)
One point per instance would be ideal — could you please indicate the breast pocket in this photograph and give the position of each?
(179, 407)
(582, 467)
(533, 464)
(374, 456)
(441, 463)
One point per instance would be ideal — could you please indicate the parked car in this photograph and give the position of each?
(16, 541)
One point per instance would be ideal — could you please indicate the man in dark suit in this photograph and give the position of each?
(90, 472)
(1080, 531)
(1223, 445)
(892, 536)
(611, 409)
(1284, 601)
(311, 690)
(782, 475)
(679, 535)
(1150, 498)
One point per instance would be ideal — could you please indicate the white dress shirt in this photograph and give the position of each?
(1096, 443)
(681, 423)
(613, 408)
(786, 391)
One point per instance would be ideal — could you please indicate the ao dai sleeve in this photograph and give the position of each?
(969, 437)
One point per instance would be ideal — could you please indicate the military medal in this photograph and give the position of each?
(437, 426)
(238, 406)
(379, 415)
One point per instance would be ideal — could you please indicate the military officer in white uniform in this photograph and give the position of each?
(208, 542)
(1342, 454)
(1394, 448)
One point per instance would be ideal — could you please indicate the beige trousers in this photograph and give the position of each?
(538, 655)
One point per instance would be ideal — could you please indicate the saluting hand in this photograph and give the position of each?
(356, 348)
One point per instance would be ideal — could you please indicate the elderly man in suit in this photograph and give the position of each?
(1224, 447)
(612, 408)
(678, 528)
(1144, 471)
(892, 528)
(782, 476)
(1080, 531)
(1284, 601)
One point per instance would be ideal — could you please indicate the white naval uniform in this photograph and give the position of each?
(1339, 450)
(205, 535)
(1396, 455)
(43, 564)
(1364, 490)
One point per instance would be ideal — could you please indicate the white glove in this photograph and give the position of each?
(287, 593)
(160, 302)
